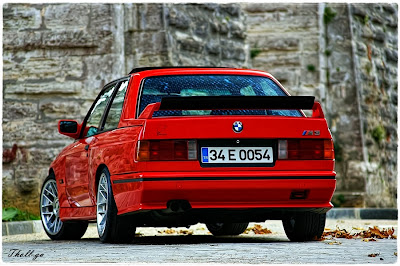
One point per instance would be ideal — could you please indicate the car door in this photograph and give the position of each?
(77, 160)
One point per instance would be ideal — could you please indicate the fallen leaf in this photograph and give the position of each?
(373, 254)
(334, 243)
(168, 231)
(395, 253)
(368, 239)
(258, 230)
(186, 232)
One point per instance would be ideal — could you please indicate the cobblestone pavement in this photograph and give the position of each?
(154, 245)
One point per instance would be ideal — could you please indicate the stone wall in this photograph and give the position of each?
(375, 35)
(57, 57)
(345, 55)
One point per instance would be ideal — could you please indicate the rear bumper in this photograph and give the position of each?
(231, 190)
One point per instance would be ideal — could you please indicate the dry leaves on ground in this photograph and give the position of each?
(377, 233)
(186, 232)
(258, 230)
(168, 231)
(367, 235)
(373, 254)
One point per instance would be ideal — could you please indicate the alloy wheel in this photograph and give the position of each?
(102, 204)
(50, 208)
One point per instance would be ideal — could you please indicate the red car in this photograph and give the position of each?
(181, 145)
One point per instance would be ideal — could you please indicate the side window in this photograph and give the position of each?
(93, 121)
(114, 114)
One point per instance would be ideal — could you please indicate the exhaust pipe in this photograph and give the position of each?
(178, 206)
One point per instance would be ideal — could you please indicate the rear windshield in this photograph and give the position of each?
(155, 88)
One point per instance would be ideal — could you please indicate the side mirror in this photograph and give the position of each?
(69, 128)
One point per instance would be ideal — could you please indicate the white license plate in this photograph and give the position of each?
(236, 155)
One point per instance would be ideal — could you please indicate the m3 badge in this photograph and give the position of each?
(311, 133)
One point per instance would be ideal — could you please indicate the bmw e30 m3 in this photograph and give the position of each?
(176, 146)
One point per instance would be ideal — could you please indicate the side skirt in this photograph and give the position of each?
(78, 213)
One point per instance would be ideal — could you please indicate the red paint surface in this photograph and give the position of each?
(116, 150)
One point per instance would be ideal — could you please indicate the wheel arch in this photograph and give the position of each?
(97, 178)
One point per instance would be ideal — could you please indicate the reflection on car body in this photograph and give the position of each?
(177, 146)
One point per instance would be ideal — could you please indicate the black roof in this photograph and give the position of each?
(140, 69)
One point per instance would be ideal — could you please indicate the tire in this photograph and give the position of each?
(227, 229)
(304, 226)
(111, 227)
(50, 214)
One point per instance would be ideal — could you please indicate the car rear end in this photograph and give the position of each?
(250, 155)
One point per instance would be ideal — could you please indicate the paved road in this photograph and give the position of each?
(155, 246)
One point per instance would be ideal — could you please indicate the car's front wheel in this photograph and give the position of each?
(50, 214)
(304, 226)
(110, 227)
(226, 229)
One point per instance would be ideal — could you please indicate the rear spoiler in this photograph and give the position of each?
(234, 103)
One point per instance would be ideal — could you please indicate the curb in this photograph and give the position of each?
(362, 213)
(30, 227)
(23, 227)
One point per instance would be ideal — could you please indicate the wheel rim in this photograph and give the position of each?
(102, 204)
(50, 208)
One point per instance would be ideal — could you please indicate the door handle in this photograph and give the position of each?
(87, 147)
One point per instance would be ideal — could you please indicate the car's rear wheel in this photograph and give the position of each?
(50, 214)
(304, 226)
(111, 227)
(225, 229)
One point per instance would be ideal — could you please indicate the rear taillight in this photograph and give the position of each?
(305, 149)
(166, 150)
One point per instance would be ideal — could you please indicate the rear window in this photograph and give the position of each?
(155, 88)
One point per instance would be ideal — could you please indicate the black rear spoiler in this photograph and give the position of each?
(234, 102)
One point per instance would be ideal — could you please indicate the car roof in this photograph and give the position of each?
(140, 69)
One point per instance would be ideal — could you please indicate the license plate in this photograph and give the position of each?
(236, 155)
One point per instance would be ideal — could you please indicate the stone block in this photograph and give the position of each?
(55, 108)
(264, 7)
(268, 43)
(40, 69)
(28, 133)
(391, 55)
(36, 88)
(66, 16)
(179, 19)
(21, 17)
(275, 60)
(21, 40)
(23, 227)
(390, 7)
(40, 156)
(27, 177)
(238, 30)
(201, 28)
(213, 48)
(191, 44)
(75, 38)
(13, 110)
(150, 17)
(231, 9)
(4, 229)
(130, 15)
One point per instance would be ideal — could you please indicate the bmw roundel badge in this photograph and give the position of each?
(237, 127)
